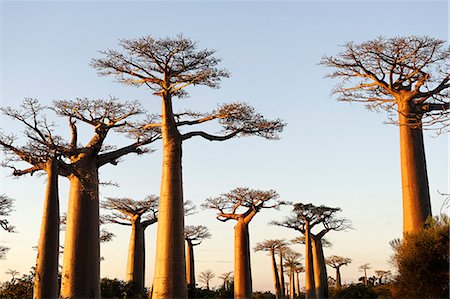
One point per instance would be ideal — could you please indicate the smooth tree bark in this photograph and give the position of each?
(139, 214)
(271, 246)
(194, 236)
(336, 262)
(229, 205)
(167, 66)
(320, 272)
(406, 76)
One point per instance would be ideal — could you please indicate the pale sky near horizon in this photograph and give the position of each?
(331, 153)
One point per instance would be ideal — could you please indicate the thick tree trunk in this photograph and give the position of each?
(242, 270)
(291, 285)
(81, 262)
(282, 283)
(136, 258)
(46, 279)
(297, 284)
(309, 268)
(275, 276)
(170, 264)
(320, 271)
(415, 189)
(190, 267)
(338, 278)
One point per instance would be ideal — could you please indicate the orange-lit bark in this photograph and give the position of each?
(170, 264)
(242, 269)
(338, 278)
(81, 262)
(309, 268)
(297, 284)
(291, 284)
(46, 279)
(190, 266)
(136, 255)
(320, 271)
(282, 283)
(415, 189)
(275, 275)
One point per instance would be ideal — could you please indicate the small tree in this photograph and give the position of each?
(336, 262)
(139, 214)
(382, 274)
(206, 277)
(194, 236)
(227, 278)
(292, 262)
(271, 247)
(13, 273)
(364, 268)
(167, 66)
(248, 202)
(409, 77)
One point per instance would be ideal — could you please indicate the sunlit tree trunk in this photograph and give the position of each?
(320, 271)
(297, 284)
(81, 262)
(170, 264)
(415, 189)
(190, 267)
(291, 284)
(282, 283)
(338, 278)
(275, 276)
(136, 252)
(242, 270)
(46, 279)
(309, 268)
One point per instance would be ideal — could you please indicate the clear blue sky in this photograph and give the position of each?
(331, 153)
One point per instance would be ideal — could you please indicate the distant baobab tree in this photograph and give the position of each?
(282, 250)
(297, 271)
(241, 205)
(13, 273)
(382, 274)
(139, 214)
(336, 262)
(6, 207)
(167, 66)
(227, 277)
(364, 269)
(206, 277)
(292, 262)
(270, 246)
(194, 236)
(409, 77)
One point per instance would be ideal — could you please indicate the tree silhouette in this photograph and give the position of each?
(139, 214)
(271, 247)
(6, 207)
(382, 274)
(336, 262)
(364, 268)
(407, 76)
(241, 205)
(227, 278)
(282, 250)
(194, 236)
(13, 273)
(167, 66)
(292, 262)
(206, 277)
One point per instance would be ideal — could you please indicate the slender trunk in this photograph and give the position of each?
(320, 271)
(136, 258)
(282, 283)
(291, 284)
(338, 278)
(415, 189)
(297, 284)
(190, 266)
(309, 268)
(170, 263)
(275, 275)
(46, 279)
(365, 277)
(81, 262)
(242, 270)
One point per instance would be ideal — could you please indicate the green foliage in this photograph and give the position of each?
(18, 288)
(422, 262)
(118, 289)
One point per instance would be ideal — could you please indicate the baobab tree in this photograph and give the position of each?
(282, 249)
(139, 214)
(13, 273)
(336, 262)
(167, 66)
(382, 274)
(41, 153)
(194, 236)
(409, 77)
(292, 262)
(227, 277)
(364, 268)
(298, 270)
(241, 205)
(6, 207)
(270, 246)
(206, 277)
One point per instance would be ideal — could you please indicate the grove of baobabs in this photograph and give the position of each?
(406, 76)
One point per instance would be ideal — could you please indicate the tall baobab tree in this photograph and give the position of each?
(139, 214)
(206, 277)
(41, 152)
(364, 268)
(282, 249)
(336, 262)
(292, 262)
(167, 66)
(298, 270)
(194, 236)
(407, 76)
(270, 246)
(241, 205)
(6, 207)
